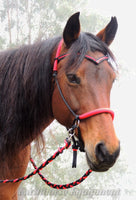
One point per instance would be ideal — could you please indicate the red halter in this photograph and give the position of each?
(90, 113)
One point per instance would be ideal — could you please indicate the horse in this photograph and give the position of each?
(30, 98)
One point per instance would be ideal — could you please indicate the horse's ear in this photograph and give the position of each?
(108, 33)
(72, 29)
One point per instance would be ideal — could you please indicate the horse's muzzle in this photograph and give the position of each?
(104, 160)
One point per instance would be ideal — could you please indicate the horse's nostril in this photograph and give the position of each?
(101, 151)
(103, 155)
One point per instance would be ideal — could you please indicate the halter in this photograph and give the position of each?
(78, 144)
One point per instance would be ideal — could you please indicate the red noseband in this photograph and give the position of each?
(96, 112)
(88, 114)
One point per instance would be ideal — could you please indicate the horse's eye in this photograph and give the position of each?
(72, 78)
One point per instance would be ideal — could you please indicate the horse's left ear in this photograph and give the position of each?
(72, 29)
(108, 33)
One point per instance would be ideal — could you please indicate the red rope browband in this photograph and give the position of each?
(96, 61)
(90, 58)
(60, 57)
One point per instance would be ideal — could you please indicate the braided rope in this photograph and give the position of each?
(65, 186)
(60, 150)
(38, 169)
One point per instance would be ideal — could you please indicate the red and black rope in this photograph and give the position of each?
(38, 169)
(66, 186)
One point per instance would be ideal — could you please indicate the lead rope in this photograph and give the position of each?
(55, 155)
(65, 186)
(60, 150)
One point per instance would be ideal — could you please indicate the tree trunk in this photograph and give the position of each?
(28, 12)
(9, 22)
(17, 26)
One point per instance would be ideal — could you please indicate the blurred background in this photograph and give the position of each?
(27, 21)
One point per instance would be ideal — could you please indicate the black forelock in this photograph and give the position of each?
(85, 43)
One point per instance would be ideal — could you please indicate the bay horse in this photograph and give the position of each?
(30, 99)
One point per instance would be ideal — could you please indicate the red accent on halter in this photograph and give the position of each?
(96, 112)
(57, 55)
(96, 61)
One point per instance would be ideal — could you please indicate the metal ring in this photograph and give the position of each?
(77, 122)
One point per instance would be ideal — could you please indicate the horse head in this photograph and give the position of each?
(85, 77)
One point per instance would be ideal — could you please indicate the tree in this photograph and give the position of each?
(25, 21)
(7, 11)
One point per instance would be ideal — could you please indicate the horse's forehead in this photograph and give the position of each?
(91, 71)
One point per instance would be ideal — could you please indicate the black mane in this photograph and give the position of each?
(25, 93)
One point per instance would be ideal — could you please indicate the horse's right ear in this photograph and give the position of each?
(72, 29)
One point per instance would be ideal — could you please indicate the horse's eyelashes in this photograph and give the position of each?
(73, 78)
